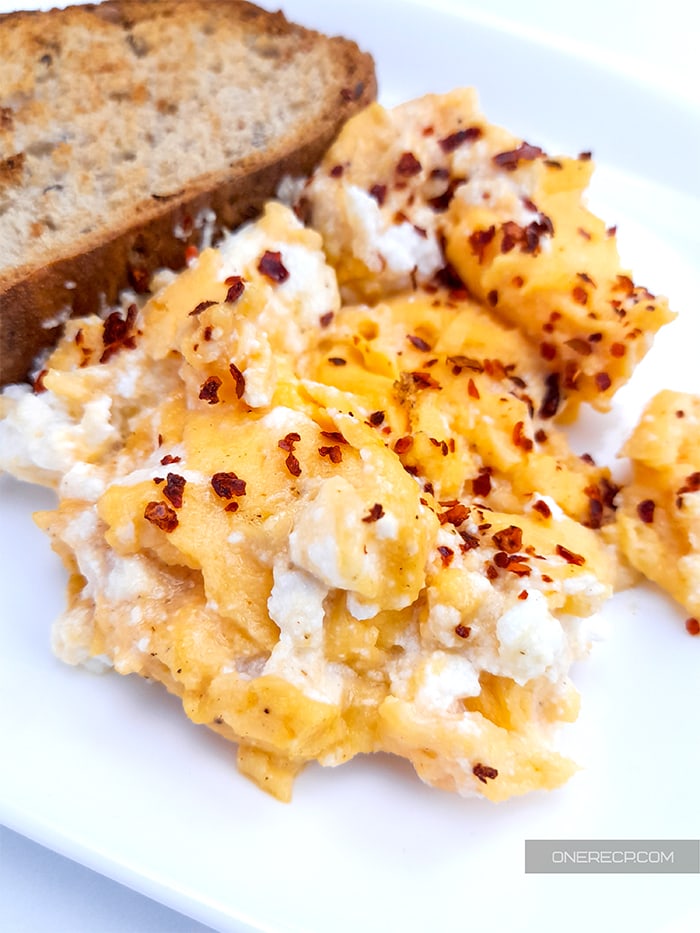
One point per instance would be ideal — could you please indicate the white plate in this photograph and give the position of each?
(108, 771)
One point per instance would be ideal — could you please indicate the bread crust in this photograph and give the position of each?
(89, 276)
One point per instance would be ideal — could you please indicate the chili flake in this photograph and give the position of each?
(209, 391)
(569, 556)
(509, 539)
(645, 510)
(174, 488)
(333, 452)
(481, 485)
(236, 288)
(408, 165)
(375, 513)
(287, 443)
(161, 515)
(692, 626)
(238, 378)
(456, 139)
(228, 485)
(484, 772)
(202, 306)
(272, 267)
(524, 153)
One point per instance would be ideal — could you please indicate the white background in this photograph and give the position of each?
(41, 892)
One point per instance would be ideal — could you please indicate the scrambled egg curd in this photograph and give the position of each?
(659, 514)
(314, 486)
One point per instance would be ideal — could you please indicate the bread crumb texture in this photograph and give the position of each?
(105, 110)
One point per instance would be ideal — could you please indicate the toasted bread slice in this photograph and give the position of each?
(133, 129)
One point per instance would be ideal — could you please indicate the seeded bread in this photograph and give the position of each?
(131, 129)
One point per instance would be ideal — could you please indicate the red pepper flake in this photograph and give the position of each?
(463, 631)
(523, 594)
(231, 507)
(479, 240)
(174, 488)
(168, 458)
(424, 381)
(158, 480)
(472, 389)
(374, 514)
(580, 295)
(202, 306)
(544, 510)
(540, 436)
(272, 267)
(336, 171)
(492, 297)
(458, 138)
(569, 556)
(191, 252)
(326, 319)
(161, 515)
(618, 349)
(547, 351)
(524, 153)
(603, 381)
(585, 156)
(491, 572)
(118, 332)
(645, 510)
(227, 485)
(377, 418)
(419, 343)
(378, 192)
(209, 391)
(333, 452)
(455, 515)
(470, 541)
(501, 560)
(287, 443)
(334, 436)
(408, 165)
(552, 397)
(509, 539)
(481, 486)
(446, 555)
(441, 202)
(519, 437)
(403, 444)
(517, 281)
(692, 626)
(238, 379)
(484, 772)
(692, 483)
(207, 333)
(236, 287)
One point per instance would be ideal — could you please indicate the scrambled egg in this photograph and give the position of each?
(403, 190)
(659, 514)
(314, 487)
